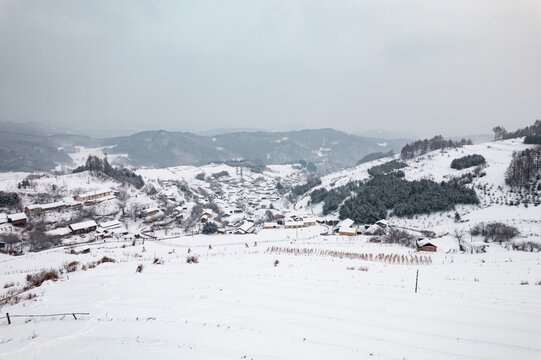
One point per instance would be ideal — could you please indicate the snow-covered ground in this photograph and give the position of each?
(236, 304)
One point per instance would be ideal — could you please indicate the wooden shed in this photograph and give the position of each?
(425, 245)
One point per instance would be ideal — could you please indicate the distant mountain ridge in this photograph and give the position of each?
(329, 149)
(30, 147)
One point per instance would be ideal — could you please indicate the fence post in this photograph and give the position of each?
(9, 320)
(416, 280)
(75, 317)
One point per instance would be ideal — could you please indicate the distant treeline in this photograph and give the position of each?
(421, 147)
(123, 175)
(375, 156)
(387, 167)
(525, 167)
(256, 166)
(531, 133)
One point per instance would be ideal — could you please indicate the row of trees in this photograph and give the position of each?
(421, 147)
(525, 166)
(386, 168)
(532, 132)
(94, 163)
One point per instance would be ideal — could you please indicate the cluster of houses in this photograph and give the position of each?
(21, 218)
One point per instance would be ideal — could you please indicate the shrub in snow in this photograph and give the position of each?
(139, 268)
(71, 266)
(192, 259)
(468, 161)
(105, 259)
(209, 228)
(35, 280)
(495, 231)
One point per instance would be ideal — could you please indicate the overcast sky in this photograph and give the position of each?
(420, 66)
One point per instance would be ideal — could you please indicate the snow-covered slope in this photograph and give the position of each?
(237, 304)
(495, 196)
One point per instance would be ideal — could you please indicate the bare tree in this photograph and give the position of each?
(459, 236)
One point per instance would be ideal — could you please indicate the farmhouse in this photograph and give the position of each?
(92, 195)
(346, 228)
(426, 245)
(108, 228)
(18, 219)
(309, 221)
(83, 227)
(246, 228)
(293, 224)
(271, 225)
(151, 211)
(37, 208)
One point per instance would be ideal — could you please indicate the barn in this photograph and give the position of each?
(83, 227)
(18, 219)
(92, 195)
(426, 245)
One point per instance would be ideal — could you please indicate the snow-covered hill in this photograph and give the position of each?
(497, 200)
(276, 293)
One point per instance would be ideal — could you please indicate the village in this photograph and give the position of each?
(241, 204)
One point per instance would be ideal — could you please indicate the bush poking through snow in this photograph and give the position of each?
(71, 266)
(9, 284)
(276, 262)
(523, 282)
(35, 280)
(158, 261)
(139, 268)
(192, 259)
(105, 259)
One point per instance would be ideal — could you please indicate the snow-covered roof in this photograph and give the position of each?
(33, 207)
(294, 223)
(382, 222)
(110, 224)
(309, 220)
(83, 225)
(246, 226)
(93, 193)
(52, 205)
(3, 218)
(17, 216)
(346, 223)
(270, 224)
(151, 209)
(425, 242)
(59, 231)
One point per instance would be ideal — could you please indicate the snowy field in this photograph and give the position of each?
(236, 304)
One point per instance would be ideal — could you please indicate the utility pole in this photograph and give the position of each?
(416, 280)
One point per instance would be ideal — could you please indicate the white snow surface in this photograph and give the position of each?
(236, 304)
